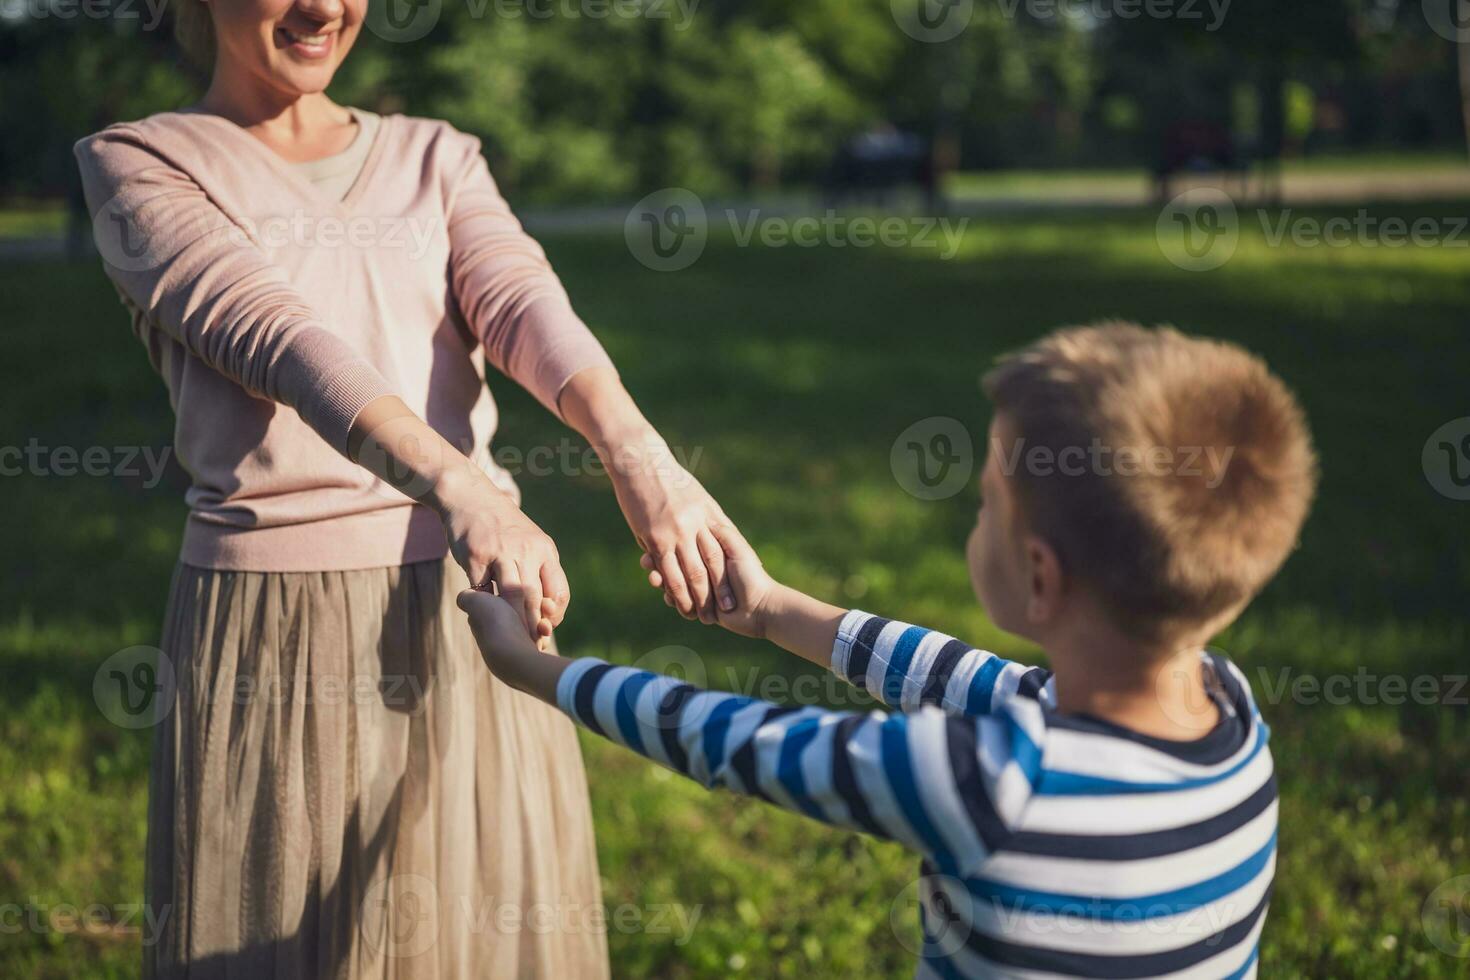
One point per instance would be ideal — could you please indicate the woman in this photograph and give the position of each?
(341, 790)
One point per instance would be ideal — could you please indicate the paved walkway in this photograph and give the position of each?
(1032, 193)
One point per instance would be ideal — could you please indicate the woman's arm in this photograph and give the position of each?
(492, 539)
(517, 306)
(189, 267)
(673, 518)
(176, 256)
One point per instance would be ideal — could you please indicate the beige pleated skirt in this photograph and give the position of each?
(342, 790)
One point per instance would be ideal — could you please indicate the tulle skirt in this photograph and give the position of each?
(342, 790)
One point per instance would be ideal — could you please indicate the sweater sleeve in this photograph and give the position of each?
(195, 273)
(907, 667)
(952, 789)
(507, 290)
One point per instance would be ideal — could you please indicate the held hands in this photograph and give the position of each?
(754, 592)
(675, 521)
(498, 546)
(501, 636)
(501, 548)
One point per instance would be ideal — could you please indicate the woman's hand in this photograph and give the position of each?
(497, 545)
(672, 517)
(502, 550)
(678, 525)
(745, 577)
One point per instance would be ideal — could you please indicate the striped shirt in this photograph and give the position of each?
(1053, 845)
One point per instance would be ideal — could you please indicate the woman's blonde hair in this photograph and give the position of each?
(194, 30)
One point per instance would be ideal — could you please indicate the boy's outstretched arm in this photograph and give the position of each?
(922, 779)
(903, 665)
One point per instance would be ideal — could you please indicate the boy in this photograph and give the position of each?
(1114, 817)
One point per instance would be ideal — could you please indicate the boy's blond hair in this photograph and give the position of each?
(1219, 472)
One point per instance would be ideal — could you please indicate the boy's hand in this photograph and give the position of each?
(510, 654)
(746, 577)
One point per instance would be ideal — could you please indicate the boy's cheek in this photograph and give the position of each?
(975, 559)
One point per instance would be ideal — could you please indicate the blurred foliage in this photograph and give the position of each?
(599, 99)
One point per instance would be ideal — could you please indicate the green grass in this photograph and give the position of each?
(32, 220)
(792, 371)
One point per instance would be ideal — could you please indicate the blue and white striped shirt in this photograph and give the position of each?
(1053, 845)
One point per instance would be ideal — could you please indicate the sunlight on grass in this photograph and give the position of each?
(792, 372)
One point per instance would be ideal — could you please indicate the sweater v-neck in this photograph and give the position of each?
(287, 171)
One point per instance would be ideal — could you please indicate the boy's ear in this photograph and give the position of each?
(1045, 581)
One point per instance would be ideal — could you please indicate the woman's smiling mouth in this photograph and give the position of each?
(317, 45)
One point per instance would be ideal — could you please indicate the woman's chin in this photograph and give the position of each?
(301, 76)
(300, 83)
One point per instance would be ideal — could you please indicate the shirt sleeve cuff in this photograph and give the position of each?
(847, 632)
(350, 384)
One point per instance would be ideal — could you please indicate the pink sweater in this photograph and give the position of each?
(274, 314)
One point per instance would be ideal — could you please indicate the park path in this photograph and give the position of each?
(1434, 183)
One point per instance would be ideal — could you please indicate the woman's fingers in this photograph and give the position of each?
(531, 603)
(506, 574)
(650, 565)
(714, 561)
(479, 574)
(555, 589)
(735, 546)
(673, 581)
(692, 565)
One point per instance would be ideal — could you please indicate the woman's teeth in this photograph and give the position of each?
(307, 40)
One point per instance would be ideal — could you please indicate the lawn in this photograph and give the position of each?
(790, 372)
